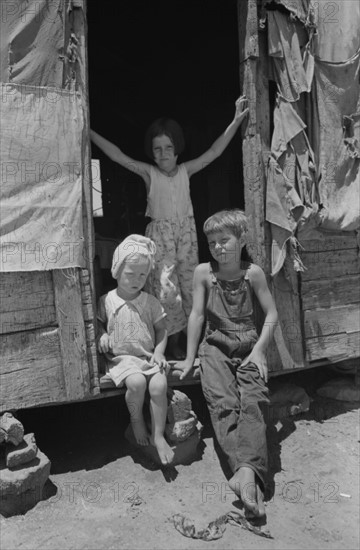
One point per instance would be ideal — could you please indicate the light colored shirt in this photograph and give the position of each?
(130, 323)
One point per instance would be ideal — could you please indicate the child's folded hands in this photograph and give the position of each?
(158, 358)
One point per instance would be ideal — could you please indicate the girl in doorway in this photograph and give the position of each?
(169, 206)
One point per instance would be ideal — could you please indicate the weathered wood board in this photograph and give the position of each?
(31, 369)
(330, 295)
(47, 349)
(330, 264)
(333, 348)
(327, 293)
(27, 301)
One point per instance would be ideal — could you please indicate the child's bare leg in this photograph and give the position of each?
(134, 397)
(246, 486)
(158, 410)
(174, 347)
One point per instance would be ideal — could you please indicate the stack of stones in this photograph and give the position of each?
(182, 422)
(24, 469)
(182, 430)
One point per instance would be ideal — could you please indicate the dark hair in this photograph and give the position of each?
(164, 127)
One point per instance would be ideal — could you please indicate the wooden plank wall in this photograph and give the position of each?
(88, 310)
(330, 295)
(257, 135)
(47, 336)
(78, 26)
(47, 339)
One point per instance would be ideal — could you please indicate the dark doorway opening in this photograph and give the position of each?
(150, 59)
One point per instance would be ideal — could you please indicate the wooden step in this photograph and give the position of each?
(106, 384)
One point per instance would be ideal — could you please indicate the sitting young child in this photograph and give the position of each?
(232, 355)
(133, 337)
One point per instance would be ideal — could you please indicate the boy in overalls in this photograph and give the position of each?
(232, 354)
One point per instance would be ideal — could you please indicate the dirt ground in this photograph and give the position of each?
(103, 495)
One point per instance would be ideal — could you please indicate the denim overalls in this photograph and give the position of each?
(235, 395)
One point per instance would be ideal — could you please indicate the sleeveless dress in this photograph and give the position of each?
(174, 232)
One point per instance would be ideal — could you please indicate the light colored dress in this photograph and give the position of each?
(174, 232)
(130, 326)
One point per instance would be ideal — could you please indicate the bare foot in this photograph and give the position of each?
(164, 450)
(244, 486)
(140, 431)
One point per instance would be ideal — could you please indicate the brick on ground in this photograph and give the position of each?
(22, 454)
(21, 489)
(14, 430)
(181, 430)
(179, 406)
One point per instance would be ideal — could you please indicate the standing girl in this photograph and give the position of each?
(169, 206)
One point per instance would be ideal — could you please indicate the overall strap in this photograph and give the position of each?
(212, 275)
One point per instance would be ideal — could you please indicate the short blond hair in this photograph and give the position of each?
(234, 221)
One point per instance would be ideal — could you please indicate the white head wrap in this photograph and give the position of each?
(133, 245)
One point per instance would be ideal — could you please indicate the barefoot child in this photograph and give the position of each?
(169, 206)
(133, 336)
(232, 355)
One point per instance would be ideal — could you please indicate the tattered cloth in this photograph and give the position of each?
(33, 42)
(313, 173)
(216, 528)
(41, 223)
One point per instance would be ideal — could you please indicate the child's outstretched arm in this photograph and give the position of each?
(241, 111)
(196, 320)
(114, 153)
(258, 354)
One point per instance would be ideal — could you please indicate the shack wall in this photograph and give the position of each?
(330, 297)
(319, 319)
(47, 331)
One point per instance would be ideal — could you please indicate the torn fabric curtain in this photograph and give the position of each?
(315, 63)
(297, 8)
(41, 189)
(32, 42)
(351, 127)
(338, 96)
(291, 186)
(292, 64)
(337, 38)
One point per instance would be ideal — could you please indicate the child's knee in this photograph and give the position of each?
(158, 385)
(136, 383)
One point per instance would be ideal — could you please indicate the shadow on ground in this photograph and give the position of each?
(89, 435)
